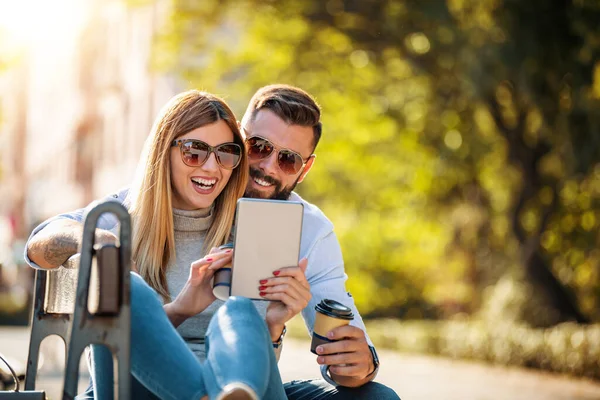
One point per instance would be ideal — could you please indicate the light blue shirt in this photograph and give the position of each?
(325, 272)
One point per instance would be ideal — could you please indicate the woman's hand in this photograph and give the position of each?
(290, 287)
(197, 293)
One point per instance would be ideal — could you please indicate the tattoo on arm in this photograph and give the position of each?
(59, 250)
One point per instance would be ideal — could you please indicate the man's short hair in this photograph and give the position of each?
(291, 104)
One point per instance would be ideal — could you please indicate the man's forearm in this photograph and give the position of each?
(54, 244)
(59, 240)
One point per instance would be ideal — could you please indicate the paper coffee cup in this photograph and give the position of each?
(330, 314)
(222, 278)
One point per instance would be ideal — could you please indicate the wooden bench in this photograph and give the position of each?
(67, 305)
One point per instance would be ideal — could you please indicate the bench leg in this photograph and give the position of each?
(72, 371)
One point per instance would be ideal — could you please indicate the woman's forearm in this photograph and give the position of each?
(175, 317)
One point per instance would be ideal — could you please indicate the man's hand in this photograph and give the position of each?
(349, 359)
(291, 288)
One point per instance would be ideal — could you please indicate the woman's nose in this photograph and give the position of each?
(211, 163)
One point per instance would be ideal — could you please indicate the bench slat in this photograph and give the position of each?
(61, 286)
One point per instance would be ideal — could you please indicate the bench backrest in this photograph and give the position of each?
(86, 301)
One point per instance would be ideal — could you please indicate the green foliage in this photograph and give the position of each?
(460, 136)
(565, 348)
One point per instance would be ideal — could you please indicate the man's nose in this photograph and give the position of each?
(269, 164)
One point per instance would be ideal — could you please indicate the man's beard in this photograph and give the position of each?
(279, 193)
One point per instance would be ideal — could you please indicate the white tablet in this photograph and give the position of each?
(267, 237)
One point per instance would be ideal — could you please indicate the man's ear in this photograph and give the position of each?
(242, 131)
(307, 167)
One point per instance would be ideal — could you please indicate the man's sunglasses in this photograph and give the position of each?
(289, 161)
(194, 153)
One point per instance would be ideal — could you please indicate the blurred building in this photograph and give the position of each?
(77, 108)
(74, 113)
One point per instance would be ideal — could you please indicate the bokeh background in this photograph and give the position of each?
(460, 160)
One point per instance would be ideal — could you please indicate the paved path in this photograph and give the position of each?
(413, 377)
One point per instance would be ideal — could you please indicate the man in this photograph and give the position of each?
(283, 127)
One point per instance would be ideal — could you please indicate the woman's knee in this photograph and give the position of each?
(240, 305)
(141, 291)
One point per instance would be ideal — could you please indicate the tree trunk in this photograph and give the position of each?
(561, 305)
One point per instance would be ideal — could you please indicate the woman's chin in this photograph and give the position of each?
(195, 202)
(200, 205)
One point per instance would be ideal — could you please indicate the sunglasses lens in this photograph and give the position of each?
(289, 162)
(259, 148)
(229, 155)
(194, 153)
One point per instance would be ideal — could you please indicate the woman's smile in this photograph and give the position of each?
(204, 185)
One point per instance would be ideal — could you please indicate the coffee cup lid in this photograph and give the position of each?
(334, 309)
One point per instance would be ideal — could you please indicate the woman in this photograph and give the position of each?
(182, 203)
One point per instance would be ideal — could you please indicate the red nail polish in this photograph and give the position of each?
(276, 273)
(262, 281)
(262, 294)
(209, 259)
(262, 288)
(228, 251)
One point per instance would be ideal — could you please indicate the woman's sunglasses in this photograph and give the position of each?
(194, 153)
(289, 161)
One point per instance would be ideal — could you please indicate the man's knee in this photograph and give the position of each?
(319, 389)
(371, 390)
(376, 390)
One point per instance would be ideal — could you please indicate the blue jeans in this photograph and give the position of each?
(162, 365)
(318, 389)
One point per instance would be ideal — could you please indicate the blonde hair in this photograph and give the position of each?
(150, 199)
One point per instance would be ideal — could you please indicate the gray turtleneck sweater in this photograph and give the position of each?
(190, 230)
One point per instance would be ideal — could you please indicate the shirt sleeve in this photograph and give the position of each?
(106, 221)
(327, 279)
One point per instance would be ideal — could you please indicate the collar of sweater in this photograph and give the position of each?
(192, 221)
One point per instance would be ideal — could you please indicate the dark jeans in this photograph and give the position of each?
(318, 389)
